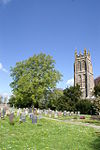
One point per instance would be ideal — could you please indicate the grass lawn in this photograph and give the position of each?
(47, 135)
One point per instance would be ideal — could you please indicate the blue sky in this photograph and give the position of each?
(55, 27)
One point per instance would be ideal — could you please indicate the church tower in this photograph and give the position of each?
(83, 73)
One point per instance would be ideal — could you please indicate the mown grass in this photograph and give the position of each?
(47, 135)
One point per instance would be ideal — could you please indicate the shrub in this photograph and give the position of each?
(85, 107)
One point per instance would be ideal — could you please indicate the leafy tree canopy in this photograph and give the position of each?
(97, 90)
(32, 78)
(69, 99)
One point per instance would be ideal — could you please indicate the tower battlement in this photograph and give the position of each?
(85, 54)
(83, 73)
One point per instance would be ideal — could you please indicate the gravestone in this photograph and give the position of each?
(35, 119)
(30, 110)
(11, 118)
(7, 112)
(65, 113)
(56, 114)
(22, 117)
(18, 112)
(72, 113)
(26, 111)
(0, 115)
(32, 117)
(79, 113)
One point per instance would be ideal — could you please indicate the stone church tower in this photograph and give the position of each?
(83, 73)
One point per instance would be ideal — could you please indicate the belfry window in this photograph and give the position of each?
(80, 66)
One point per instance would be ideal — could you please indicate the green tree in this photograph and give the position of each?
(69, 99)
(33, 78)
(12, 101)
(97, 103)
(86, 107)
(53, 97)
(97, 90)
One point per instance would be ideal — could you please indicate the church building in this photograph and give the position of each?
(83, 73)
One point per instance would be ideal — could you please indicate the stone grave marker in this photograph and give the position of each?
(65, 113)
(22, 117)
(0, 115)
(79, 113)
(35, 119)
(30, 110)
(18, 112)
(32, 117)
(56, 114)
(11, 118)
(3, 113)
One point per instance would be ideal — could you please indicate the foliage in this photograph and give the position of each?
(69, 99)
(86, 107)
(97, 90)
(12, 101)
(33, 79)
(50, 99)
(97, 103)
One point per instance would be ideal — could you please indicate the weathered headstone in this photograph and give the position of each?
(65, 113)
(79, 113)
(3, 113)
(22, 117)
(32, 117)
(30, 110)
(35, 119)
(18, 112)
(56, 115)
(11, 118)
(0, 115)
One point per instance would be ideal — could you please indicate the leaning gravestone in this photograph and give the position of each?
(11, 118)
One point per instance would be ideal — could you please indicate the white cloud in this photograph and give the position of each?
(4, 1)
(2, 68)
(70, 82)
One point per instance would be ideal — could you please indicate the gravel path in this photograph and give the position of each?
(75, 123)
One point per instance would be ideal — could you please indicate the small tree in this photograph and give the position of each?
(69, 99)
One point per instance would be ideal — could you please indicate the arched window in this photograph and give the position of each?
(78, 66)
(83, 65)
